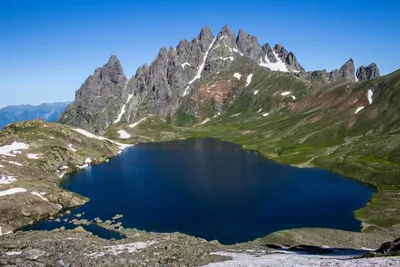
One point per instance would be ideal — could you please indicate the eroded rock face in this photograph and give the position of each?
(369, 72)
(98, 101)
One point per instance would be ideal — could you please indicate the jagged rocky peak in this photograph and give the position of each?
(112, 70)
(99, 99)
(288, 58)
(345, 72)
(227, 37)
(249, 46)
(269, 53)
(369, 72)
(206, 37)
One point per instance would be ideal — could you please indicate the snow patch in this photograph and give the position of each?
(255, 92)
(118, 249)
(235, 115)
(123, 134)
(64, 167)
(237, 75)
(185, 64)
(282, 259)
(265, 114)
(1, 166)
(359, 109)
(136, 123)
(226, 58)
(258, 111)
(7, 149)
(13, 162)
(285, 93)
(248, 80)
(4, 179)
(12, 191)
(200, 69)
(39, 195)
(355, 78)
(88, 161)
(13, 253)
(294, 98)
(32, 156)
(369, 96)
(279, 65)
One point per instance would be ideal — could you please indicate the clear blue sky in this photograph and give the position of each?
(48, 48)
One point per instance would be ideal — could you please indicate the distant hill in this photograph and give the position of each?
(47, 111)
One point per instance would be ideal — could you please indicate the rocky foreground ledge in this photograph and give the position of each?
(80, 248)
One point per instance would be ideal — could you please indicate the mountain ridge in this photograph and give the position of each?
(164, 87)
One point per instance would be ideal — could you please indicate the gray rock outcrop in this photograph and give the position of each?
(369, 72)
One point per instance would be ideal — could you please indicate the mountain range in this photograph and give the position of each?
(177, 81)
(46, 111)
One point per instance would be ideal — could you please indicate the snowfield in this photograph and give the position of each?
(12, 191)
(306, 260)
(123, 134)
(7, 149)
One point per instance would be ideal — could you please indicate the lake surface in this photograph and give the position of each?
(214, 190)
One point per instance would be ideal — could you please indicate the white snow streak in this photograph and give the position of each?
(359, 109)
(5, 150)
(369, 95)
(200, 69)
(7, 179)
(285, 93)
(64, 167)
(13, 162)
(255, 92)
(237, 75)
(265, 114)
(90, 135)
(39, 195)
(258, 111)
(185, 64)
(294, 98)
(237, 51)
(32, 156)
(248, 80)
(129, 98)
(355, 77)
(205, 121)
(123, 134)
(120, 114)
(71, 148)
(235, 115)
(12, 253)
(12, 191)
(1, 166)
(136, 123)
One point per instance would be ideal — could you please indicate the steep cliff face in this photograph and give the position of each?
(98, 101)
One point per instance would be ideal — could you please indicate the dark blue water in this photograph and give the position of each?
(214, 190)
